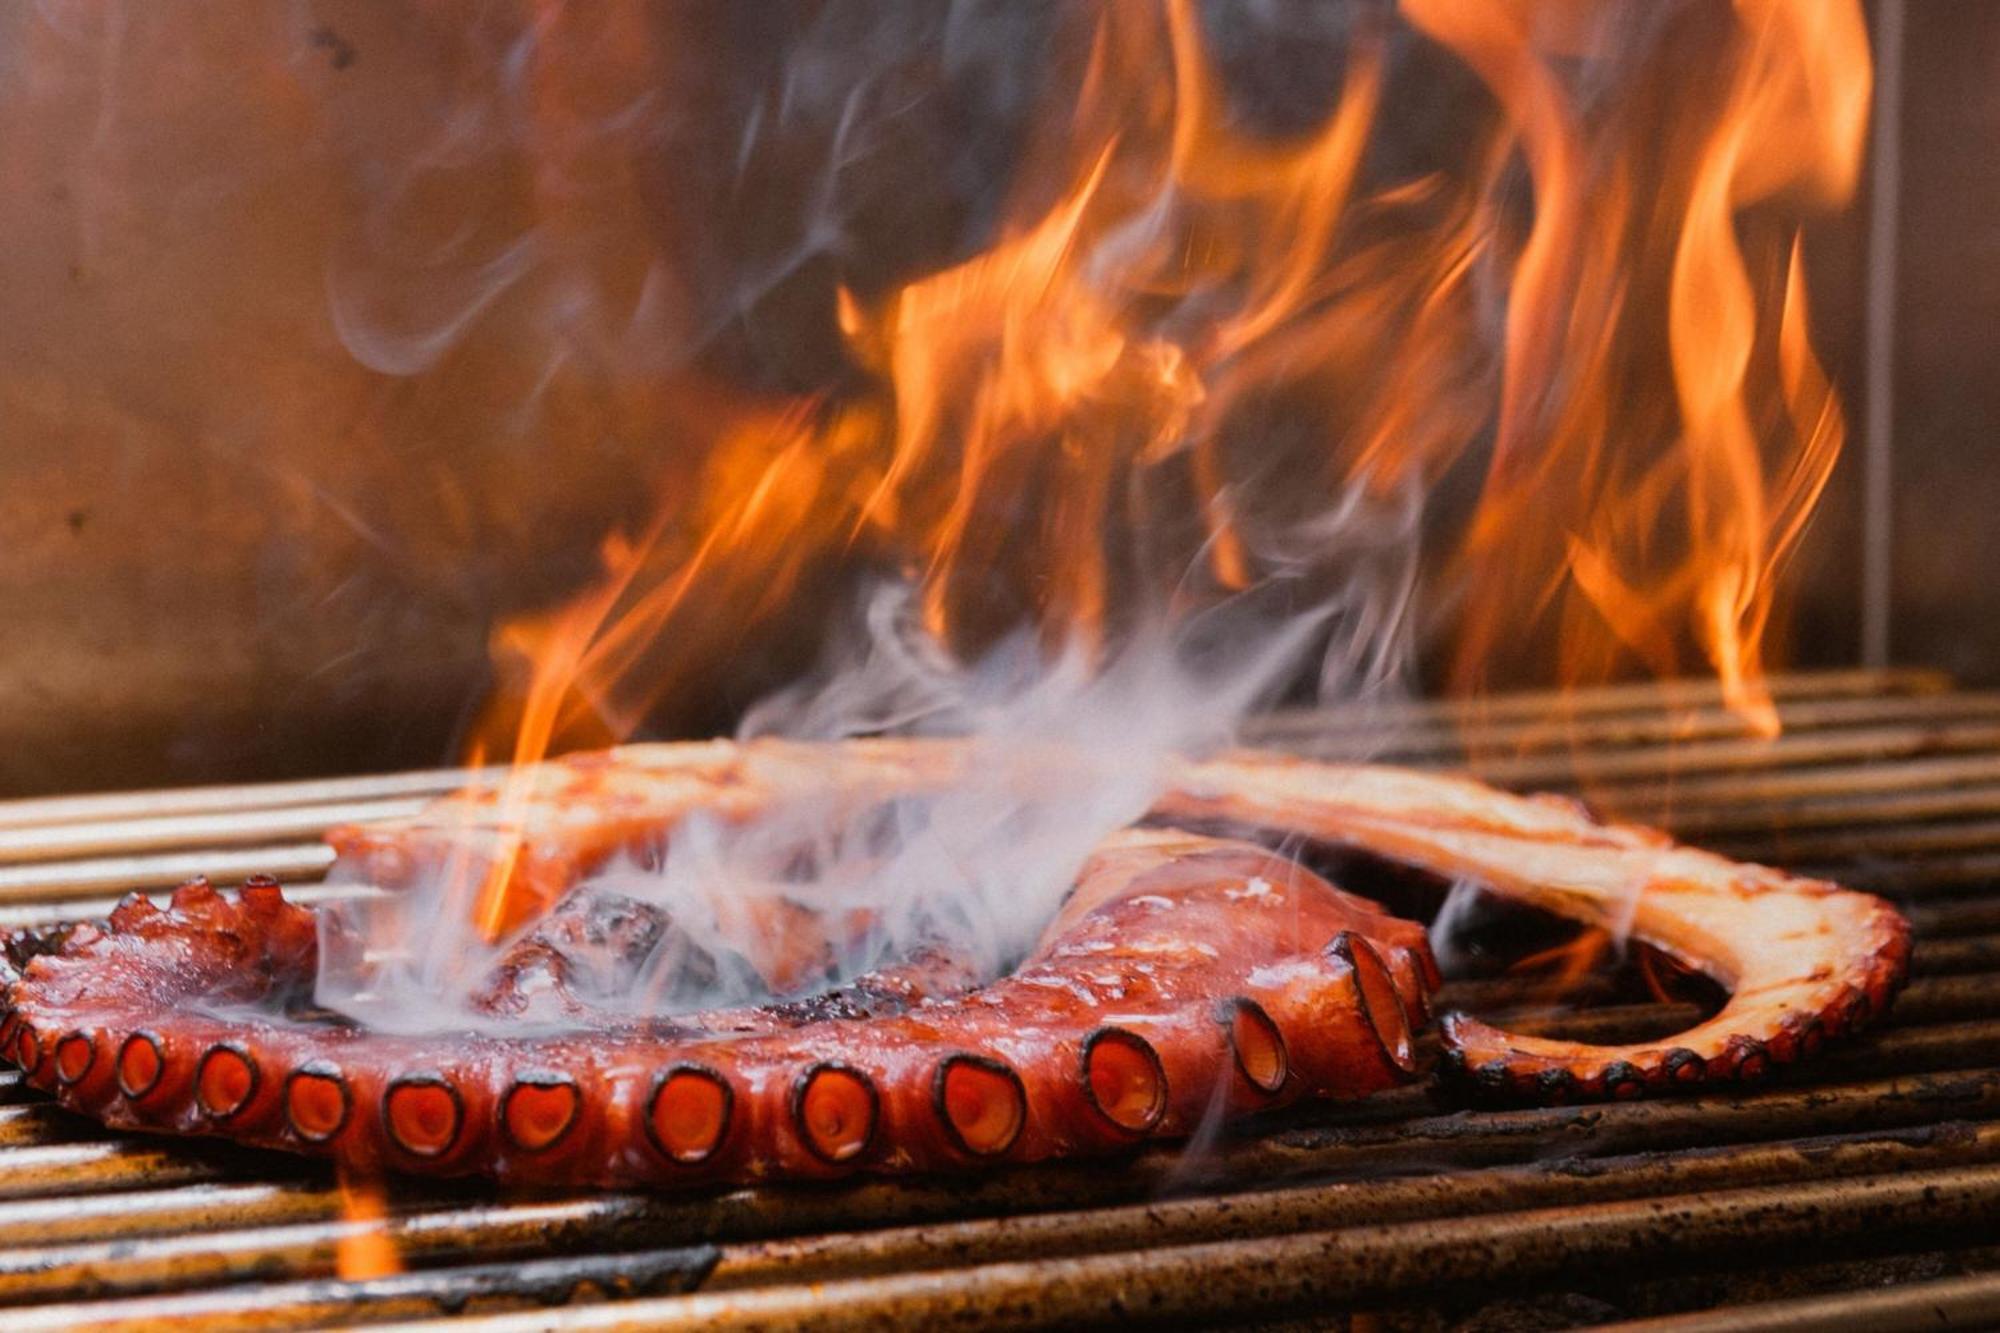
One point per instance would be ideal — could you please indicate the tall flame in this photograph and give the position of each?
(1187, 338)
(1645, 515)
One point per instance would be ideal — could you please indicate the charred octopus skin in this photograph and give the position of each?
(1186, 977)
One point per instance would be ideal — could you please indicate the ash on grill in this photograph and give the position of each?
(1876, 1168)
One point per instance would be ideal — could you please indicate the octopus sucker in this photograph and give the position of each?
(142, 1061)
(317, 1101)
(76, 1054)
(1256, 1043)
(1186, 975)
(688, 1113)
(981, 1102)
(539, 1109)
(1124, 1078)
(225, 1079)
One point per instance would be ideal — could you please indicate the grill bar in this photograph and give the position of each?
(1538, 707)
(1713, 760)
(1556, 734)
(98, 1229)
(49, 892)
(1962, 1302)
(1318, 1269)
(218, 830)
(112, 843)
(1511, 1200)
(53, 811)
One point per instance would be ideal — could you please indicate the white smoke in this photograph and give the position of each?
(1063, 748)
(1067, 742)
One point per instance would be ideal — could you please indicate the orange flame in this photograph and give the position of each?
(1560, 969)
(1673, 512)
(1187, 335)
(365, 1248)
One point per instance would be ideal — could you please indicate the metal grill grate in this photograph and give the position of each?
(1875, 1167)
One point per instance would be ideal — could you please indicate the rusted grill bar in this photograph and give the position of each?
(1888, 1147)
(1963, 1302)
(1238, 1277)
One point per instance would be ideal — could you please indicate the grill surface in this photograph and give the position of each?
(1876, 1167)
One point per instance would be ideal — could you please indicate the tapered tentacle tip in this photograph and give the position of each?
(981, 1103)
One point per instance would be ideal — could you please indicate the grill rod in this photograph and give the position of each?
(1316, 1269)
(88, 848)
(874, 1275)
(1917, 1307)
(1510, 1139)
(1602, 736)
(286, 1192)
(308, 1249)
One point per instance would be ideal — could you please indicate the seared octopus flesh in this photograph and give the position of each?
(1191, 973)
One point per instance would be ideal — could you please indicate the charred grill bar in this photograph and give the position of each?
(1879, 1163)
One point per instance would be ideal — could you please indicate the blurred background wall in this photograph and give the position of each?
(333, 332)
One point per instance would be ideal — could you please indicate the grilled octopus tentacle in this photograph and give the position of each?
(555, 822)
(1185, 977)
(1804, 960)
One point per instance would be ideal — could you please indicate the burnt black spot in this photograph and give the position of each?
(866, 997)
(1623, 1079)
(1684, 1066)
(588, 951)
(340, 52)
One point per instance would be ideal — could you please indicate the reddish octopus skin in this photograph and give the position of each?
(1808, 961)
(1160, 980)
